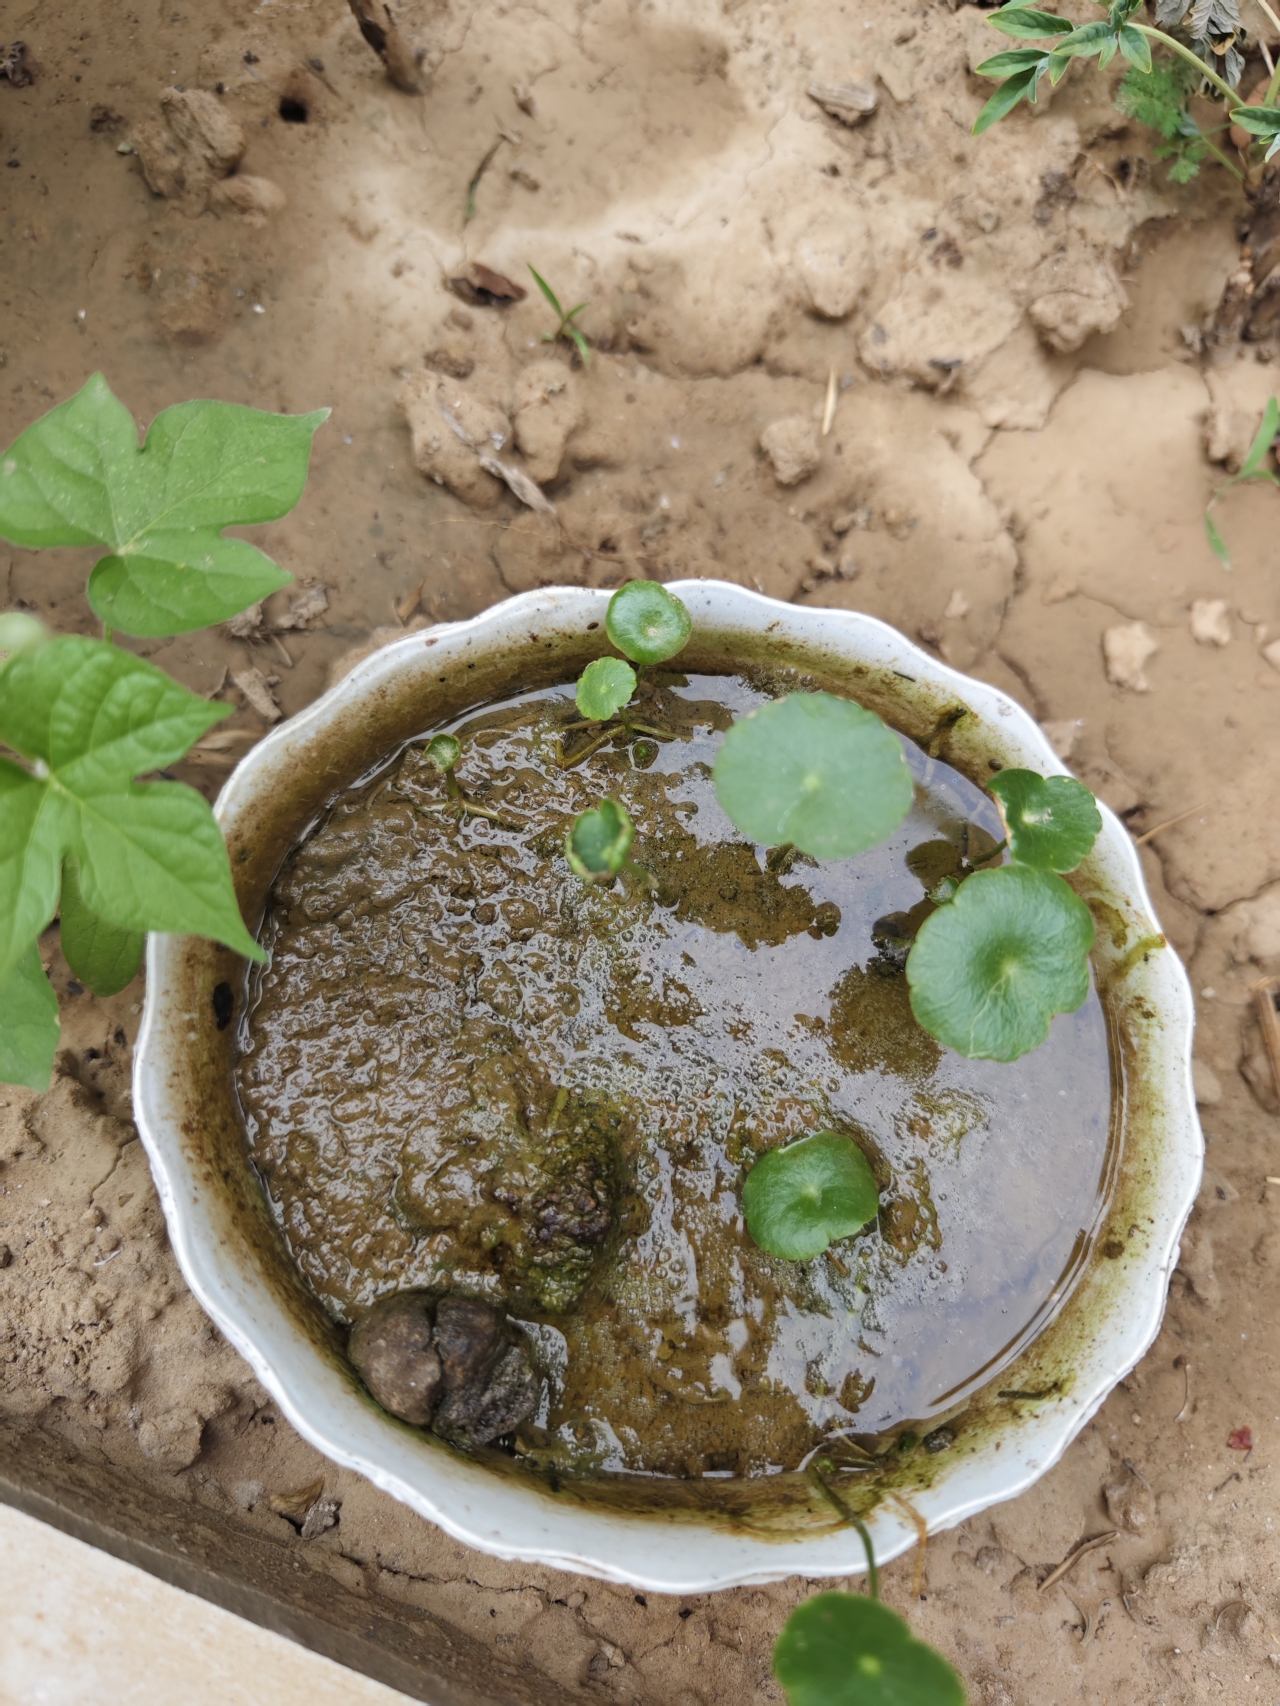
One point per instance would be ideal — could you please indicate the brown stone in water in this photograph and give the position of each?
(392, 1349)
(468, 1337)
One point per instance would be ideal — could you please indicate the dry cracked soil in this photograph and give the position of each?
(1025, 434)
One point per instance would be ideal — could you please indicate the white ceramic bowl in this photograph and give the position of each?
(236, 1265)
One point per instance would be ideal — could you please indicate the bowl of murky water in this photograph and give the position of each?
(478, 1114)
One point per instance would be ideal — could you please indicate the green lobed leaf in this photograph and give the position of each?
(604, 687)
(820, 773)
(647, 623)
(104, 957)
(1051, 821)
(843, 1649)
(89, 718)
(802, 1197)
(78, 477)
(1006, 98)
(599, 840)
(1027, 23)
(989, 970)
(1263, 439)
(28, 1023)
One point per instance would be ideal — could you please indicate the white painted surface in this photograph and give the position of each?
(77, 1626)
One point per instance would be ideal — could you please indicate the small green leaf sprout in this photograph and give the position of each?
(442, 753)
(845, 1649)
(598, 843)
(808, 1194)
(604, 688)
(647, 624)
(1051, 821)
(1250, 469)
(816, 772)
(566, 328)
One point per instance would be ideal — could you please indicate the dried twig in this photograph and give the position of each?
(1073, 1558)
(1186, 1394)
(1141, 840)
(1264, 995)
(829, 407)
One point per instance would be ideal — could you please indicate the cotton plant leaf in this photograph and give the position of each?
(647, 623)
(104, 957)
(88, 719)
(1051, 821)
(78, 477)
(604, 687)
(845, 1649)
(29, 1029)
(802, 1197)
(989, 971)
(820, 773)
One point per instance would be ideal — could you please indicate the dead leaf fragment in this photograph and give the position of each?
(520, 483)
(246, 626)
(257, 692)
(848, 102)
(482, 287)
(311, 602)
(382, 33)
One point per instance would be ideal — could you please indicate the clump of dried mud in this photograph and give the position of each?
(1015, 474)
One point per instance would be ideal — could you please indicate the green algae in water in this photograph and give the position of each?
(467, 1070)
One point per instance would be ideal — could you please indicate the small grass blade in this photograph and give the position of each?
(547, 291)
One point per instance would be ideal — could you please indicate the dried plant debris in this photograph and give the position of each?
(256, 688)
(14, 66)
(382, 33)
(848, 102)
(483, 288)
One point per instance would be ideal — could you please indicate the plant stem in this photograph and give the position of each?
(1221, 158)
(107, 633)
(833, 1498)
(1223, 87)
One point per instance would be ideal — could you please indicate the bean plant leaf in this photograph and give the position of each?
(604, 687)
(1026, 23)
(800, 1198)
(989, 970)
(598, 841)
(843, 1649)
(820, 773)
(28, 1023)
(1052, 821)
(78, 477)
(103, 956)
(647, 623)
(89, 718)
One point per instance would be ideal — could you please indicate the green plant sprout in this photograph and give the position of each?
(1250, 469)
(81, 721)
(443, 752)
(648, 625)
(1156, 93)
(598, 842)
(566, 328)
(808, 1194)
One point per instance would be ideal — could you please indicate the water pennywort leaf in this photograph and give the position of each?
(77, 477)
(598, 841)
(800, 1198)
(647, 623)
(28, 1023)
(103, 956)
(1051, 821)
(88, 718)
(989, 970)
(443, 752)
(843, 1649)
(604, 687)
(818, 772)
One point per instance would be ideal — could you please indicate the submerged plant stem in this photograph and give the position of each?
(850, 1516)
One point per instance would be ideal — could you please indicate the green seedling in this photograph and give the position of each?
(816, 772)
(1251, 468)
(82, 722)
(443, 752)
(604, 688)
(845, 1649)
(1051, 822)
(598, 843)
(78, 477)
(565, 328)
(647, 624)
(799, 1199)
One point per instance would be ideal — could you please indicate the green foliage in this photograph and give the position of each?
(598, 842)
(443, 752)
(1158, 98)
(843, 1649)
(87, 719)
(566, 329)
(647, 623)
(1250, 469)
(1263, 122)
(18, 633)
(78, 477)
(818, 772)
(989, 970)
(604, 687)
(801, 1198)
(28, 1023)
(1051, 822)
(104, 957)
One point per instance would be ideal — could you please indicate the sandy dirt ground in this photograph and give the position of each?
(1023, 443)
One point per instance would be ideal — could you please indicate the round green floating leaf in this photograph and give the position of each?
(647, 623)
(799, 1199)
(989, 971)
(598, 841)
(842, 1649)
(443, 751)
(819, 772)
(604, 687)
(1052, 821)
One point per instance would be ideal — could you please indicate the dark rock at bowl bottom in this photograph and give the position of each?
(447, 1364)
